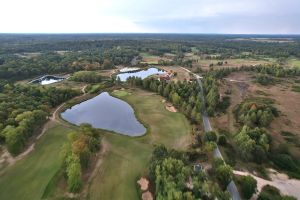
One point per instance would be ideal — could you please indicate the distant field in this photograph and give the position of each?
(149, 59)
(230, 63)
(28, 178)
(152, 59)
(128, 158)
(294, 62)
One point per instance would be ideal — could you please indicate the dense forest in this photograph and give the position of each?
(24, 109)
(17, 68)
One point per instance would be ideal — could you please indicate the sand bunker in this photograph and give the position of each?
(144, 183)
(147, 196)
(171, 108)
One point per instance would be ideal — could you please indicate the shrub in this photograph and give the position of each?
(256, 112)
(264, 79)
(217, 162)
(222, 140)
(272, 193)
(284, 161)
(224, 174)
(248, 186)
(211, 136)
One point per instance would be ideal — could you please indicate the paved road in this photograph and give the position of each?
(231, 188)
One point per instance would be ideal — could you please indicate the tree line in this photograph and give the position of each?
(271, 70)
(15, 67)
(77, 154)
(184, 95)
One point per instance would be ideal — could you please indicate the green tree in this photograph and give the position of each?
(224, 174)
(176, 99)
(245, 144)
(74, 173)
(222, 140)
(14, 139)
(248, 186)
(211, 136)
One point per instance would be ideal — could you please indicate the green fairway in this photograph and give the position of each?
(28, 178)
(127, 158)
(120, 93)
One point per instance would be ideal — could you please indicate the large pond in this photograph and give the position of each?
(141, 74)
(46, 80)
(106, 112)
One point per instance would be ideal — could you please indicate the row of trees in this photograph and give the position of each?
(271, 70)
(212, 95)
(24, 108)
(184, 95)
(77, 154)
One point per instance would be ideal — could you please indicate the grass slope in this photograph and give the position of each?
(28, 178)
(128, 158)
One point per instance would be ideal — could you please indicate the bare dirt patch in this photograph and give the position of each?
(237, 84)
(281, 181)
(241, 86)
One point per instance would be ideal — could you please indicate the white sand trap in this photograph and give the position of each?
(144, 183)
(171, 108)
(147, 196)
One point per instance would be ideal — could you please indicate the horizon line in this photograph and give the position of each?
(166, 33)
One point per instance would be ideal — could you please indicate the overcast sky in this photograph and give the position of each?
(147, 16)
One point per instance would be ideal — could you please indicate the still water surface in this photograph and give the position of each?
(106, 112)
(46, 80)
(141, 74)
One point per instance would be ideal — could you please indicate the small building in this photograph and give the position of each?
(198, 167)
(164, 78)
